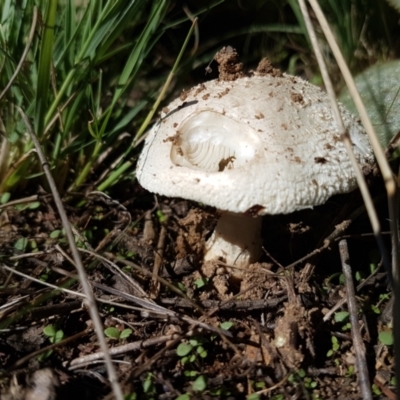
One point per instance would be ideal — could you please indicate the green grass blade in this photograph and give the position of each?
(43, 82)
(124, 167)
(131, 67)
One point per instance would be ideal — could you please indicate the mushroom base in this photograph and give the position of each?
(236, 240)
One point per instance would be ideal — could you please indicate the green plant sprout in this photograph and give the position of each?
(386, 338)
(335, 346)
(149, 387)
(201, 282)
(191, 352)
(300, 376)
(55, 336)
(114, 333)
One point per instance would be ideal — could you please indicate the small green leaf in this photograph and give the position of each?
(55, 234)
(376, 390)
(21, 244)
(200, 384)
(346, 327)
(341, 316)
(112, 332)
(161, 216)
(194, 342)
(184, 360)
(130, 396)
(34, 205)
(350, 371)
(185, 396)
(301, 373)
(58, 336)
(335, 344)
(226, 325)
(148, 384)
(184, 349)
(201, 351)
(5, 197)
(375, 309)
(181, 287)
(253, 396)
(192, 358)
(199, 283)
(190, 374)
(125, 333)
(49, 330)
(45, 355)
(386, 338)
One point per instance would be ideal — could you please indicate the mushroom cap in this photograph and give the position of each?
(262, 144)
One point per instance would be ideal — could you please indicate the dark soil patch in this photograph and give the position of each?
(277, 344)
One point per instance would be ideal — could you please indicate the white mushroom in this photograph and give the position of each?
(264, 144)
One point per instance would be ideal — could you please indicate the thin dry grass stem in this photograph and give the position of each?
(136, 373)
(390, 182)
(24, 200)
(24, 54)
(115, 269)
(164, 88)
(91, 304)
(196, 29)
(228, 305)
(276, 386)
(53, 346)
(358, 344)
(50, 285)
(159, 255)
(171, 287)
(142, 310)
(344, 134)
(149, 307)
(118, 350)
(57, 116)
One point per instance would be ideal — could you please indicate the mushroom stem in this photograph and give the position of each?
(236, 240)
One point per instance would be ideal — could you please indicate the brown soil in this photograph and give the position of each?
(229, 66)
(265, 68)
(278, 337)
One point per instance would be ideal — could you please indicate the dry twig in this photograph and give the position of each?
(358, 344)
